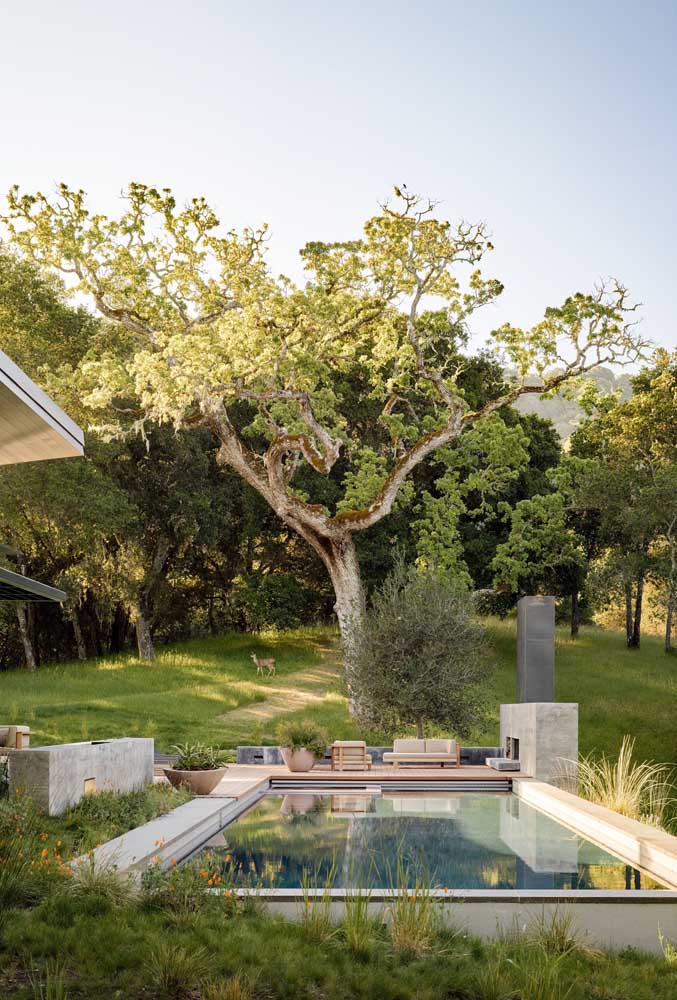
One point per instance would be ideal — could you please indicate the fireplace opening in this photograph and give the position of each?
(512, 748)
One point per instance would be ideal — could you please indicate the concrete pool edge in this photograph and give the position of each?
(645, 847)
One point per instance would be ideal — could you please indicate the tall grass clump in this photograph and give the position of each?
(235, 988)
(100, 880)
(556, 934)
(539, 975)
(315, 905)
(641, 790)
(668, 948)
(53, 985)
(174, 971)
(412, 914)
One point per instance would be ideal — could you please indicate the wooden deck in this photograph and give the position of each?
(243, 779)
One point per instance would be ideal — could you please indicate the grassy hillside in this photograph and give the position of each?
(208, 690)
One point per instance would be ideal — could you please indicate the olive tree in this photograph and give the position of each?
(201, 332)
(421, 655)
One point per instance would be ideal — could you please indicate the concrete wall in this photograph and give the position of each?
(272, 755)
(548, 735)
(57, 777)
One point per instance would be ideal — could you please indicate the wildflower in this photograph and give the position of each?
(43, 852)
(173, 862)
(156, 860)
(210, 881)
(43, 836)
(204, 873)
(58, 843)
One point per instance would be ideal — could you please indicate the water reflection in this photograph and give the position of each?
(458, 840)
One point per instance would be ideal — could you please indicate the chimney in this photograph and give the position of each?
(536, 649)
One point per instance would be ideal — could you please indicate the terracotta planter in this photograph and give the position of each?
(297, 760)
(200, 782)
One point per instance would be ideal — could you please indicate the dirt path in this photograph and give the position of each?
(297, 690)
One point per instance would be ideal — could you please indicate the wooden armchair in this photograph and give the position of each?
(350, 755)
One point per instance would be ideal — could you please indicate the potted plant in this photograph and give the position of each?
(301, 743)
(199, 767)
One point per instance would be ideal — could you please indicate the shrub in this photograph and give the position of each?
(198, 757)
(420, 655)
(302, 734)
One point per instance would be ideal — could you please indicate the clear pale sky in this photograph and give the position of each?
(554, 122)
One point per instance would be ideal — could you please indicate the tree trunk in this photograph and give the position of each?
(637, 619)
(144, 639)
(29, 653)
(118, 631)
(575, 613)
(77, 632)
(668, 619)
(419, 729)
(628, 613)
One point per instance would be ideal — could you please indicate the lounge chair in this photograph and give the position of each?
(350, 755)
(15, 737)
(424, 752)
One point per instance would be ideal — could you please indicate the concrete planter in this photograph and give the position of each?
(298, 760)
(200, 782)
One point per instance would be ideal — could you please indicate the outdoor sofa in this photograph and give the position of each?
(424, 752)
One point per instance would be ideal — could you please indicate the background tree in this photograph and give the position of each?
(421, 656)
(632, 482)
(206, 336)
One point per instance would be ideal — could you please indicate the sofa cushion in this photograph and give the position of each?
(440, 746)
(419, 756)
(409, 746)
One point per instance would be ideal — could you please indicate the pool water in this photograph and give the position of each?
(455, 840)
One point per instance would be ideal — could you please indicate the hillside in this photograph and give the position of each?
(566, 413)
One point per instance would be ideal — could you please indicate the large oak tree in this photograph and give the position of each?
(202, 333)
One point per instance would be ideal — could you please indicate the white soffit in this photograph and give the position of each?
(32, 426)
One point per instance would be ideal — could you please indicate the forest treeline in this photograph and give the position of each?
(153, 540)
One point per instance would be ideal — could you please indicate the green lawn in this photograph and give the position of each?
(191, 689)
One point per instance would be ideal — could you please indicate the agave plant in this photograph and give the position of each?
(198, 757)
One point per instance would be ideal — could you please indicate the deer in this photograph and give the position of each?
(268, 663)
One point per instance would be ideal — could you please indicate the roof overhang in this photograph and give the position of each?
(32, 426)
(14, 587)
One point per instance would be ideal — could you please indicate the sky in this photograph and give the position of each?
(554, 122)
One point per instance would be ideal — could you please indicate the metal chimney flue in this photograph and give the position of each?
(536, 649)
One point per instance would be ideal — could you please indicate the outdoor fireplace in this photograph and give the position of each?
(512, 748)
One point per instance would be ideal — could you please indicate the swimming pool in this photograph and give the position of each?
(456, 840)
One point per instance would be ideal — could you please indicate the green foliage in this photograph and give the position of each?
(197, 757)
(421, 655)
(543, 553)
(101, 882)
(302, 734)
(176, 971)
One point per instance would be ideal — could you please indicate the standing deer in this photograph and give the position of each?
(265, 664)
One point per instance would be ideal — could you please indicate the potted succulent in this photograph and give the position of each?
(198, 766)
(301, 743)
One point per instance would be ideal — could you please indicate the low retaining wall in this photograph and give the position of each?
(271, 755)
(58, 776)
(607, 919)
